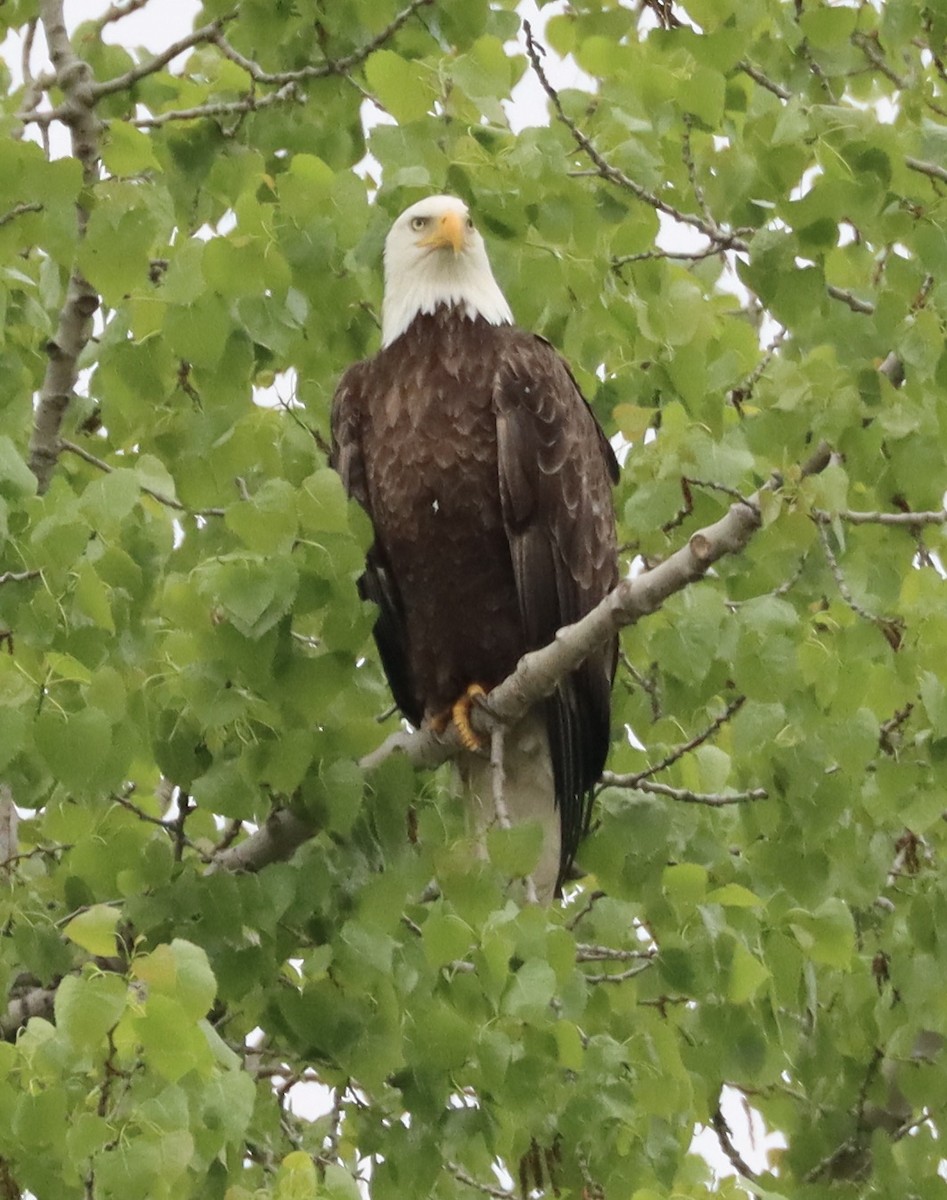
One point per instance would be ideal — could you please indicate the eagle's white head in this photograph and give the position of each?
(433, 256)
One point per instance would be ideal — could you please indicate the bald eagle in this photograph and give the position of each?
(488, 483)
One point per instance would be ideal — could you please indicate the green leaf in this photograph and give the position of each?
(296, 1178)
(734, 895)
(87, 1007)
(181, 970)
(94, 929)
(685, 883)
(747, 974)
(127, 150)
(75, 748)
(402, 87)
(515, 851)
(826, 935)
(446, 938)
(530, 990)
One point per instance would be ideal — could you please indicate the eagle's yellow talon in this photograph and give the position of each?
(460, 715)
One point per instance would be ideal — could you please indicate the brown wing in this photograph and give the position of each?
(556, 468)
(377, 583)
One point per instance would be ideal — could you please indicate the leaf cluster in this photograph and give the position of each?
(728, 223)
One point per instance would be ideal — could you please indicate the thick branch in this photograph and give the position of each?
(275, 840)
(74, 329)
(538, 672)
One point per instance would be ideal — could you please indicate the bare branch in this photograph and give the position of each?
(9, 828)
(116, 11)
(121, 83)
(336, 66)
(720, 237)
(891, 627)
(853, 302)
(167, 501)
(722, 1130)
(18, 210)
(278, 837)
(74, 328)
(763, 80)
(934, 170)
(18, 576)
(585, 952)
(222, 108)
(484, 1188)
(633, 781)
(684, 795)
(620, 976)
(908, 519)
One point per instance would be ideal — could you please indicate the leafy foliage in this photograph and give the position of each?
(182, 648)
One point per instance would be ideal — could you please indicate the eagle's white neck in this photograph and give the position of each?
(416, 285)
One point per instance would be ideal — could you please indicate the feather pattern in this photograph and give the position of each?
(488, 483)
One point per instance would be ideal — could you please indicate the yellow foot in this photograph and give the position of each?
(460, 715)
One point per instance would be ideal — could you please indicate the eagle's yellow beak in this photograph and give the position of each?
(451, 233)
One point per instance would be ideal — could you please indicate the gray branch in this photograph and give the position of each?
(74, 328)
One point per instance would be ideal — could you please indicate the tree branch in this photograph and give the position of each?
(167, 501)
(721, 238)
(934, 170)
(853, 517)
(684, 795)
(120, 83)
(638, 780)
(335, 66)
(18, 576)
(74, 329)
(222, 108)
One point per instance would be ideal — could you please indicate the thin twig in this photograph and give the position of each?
(684, 795)
(763, 80)
(934, 170)
(121, 83)
(499, 800)
(678, 753)
(222, 108)
(620, 976)
(586, 952)
(18, 210)
(336, 66)
(853, 302)
(722, 1130)
(167, 501)
(18, 576)
(853, 517)
(890, 626)
(710, 229)
(117, 11)
(484, 1188)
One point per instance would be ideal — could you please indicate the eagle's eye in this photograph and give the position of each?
(470, 223)
(419, 223)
